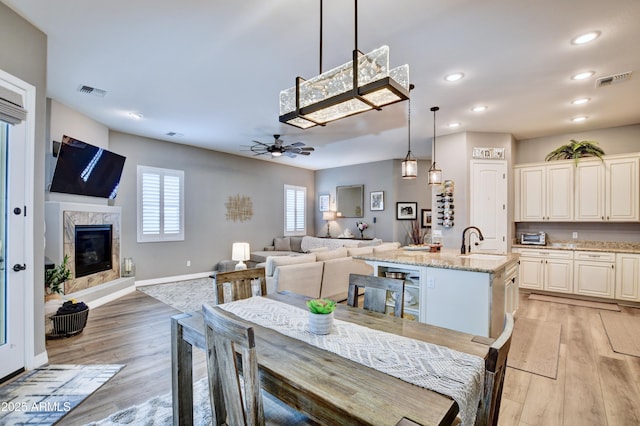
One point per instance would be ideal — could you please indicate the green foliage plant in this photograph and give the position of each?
(55, 277)
(576, 150)
(321, 306)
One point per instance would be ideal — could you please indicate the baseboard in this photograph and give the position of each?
(38, 360)
(110, 297)
(175, 278)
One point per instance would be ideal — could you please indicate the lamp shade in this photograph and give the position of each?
(329, 215)
(240, 252)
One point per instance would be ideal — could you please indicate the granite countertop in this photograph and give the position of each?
(445, 259)
(605, 246)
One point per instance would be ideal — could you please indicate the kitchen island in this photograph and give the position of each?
(468, 293)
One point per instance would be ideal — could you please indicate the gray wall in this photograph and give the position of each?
(23, 53)
(210, 179)
(614, 140)
(377, 176)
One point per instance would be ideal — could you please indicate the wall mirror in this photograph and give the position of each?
(350, 200)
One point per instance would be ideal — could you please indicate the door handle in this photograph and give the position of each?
(18, 267)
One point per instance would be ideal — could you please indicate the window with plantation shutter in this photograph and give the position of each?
(294, 210)
(160, 204)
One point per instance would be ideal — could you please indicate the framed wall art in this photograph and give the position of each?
(426, 218)
(376, 200)
(323, 202)
(406, 210)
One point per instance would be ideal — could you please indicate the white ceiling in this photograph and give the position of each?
(213, 70)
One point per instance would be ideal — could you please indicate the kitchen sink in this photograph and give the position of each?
(483, 256)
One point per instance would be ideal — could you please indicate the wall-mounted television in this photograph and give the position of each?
(85, 169)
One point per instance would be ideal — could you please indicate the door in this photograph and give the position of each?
(621, 189)
(532, 194)
(489, 205)
(12, 283)
(559, 189)
(589, 191)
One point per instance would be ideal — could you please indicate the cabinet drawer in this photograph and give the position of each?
(546, 254)
(595, 256)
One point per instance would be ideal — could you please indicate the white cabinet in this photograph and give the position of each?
(608, 190)
(594, 273)
(546, 192)
(628, 277)
(511, 288)
(550, 270)
(415, 279)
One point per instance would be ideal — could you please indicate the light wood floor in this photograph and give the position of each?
(595, 386)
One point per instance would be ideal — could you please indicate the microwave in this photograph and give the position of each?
(534, 238)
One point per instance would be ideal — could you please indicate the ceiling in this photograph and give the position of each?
(212, 71)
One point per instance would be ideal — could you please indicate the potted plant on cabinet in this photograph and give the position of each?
(576, 150)
(321, 315)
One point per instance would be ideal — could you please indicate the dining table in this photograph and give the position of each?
(327, 386)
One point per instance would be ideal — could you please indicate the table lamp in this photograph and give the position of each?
(327, 216)
(240, 252)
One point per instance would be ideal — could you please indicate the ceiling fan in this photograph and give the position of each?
(278, 148)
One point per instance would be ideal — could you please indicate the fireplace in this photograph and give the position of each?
(92, 249)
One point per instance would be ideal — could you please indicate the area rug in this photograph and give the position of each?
(535, 347)
(45, 395)
(623, 331)
(575, 302)
(185, 296)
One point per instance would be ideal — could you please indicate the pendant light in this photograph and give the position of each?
(410, 163)
(435, 174)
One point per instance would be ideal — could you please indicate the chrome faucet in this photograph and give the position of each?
(463, 249)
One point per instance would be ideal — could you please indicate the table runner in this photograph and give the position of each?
(438, 368)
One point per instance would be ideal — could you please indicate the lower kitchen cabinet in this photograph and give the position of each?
(628, 277)
(550, 270)
(594, 274)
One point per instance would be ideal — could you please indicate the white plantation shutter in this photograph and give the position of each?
(294, 210)
(160, 204)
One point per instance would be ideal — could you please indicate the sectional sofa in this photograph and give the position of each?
(320, 273)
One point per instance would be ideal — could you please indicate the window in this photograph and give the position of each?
(160, 204)
(294, 210)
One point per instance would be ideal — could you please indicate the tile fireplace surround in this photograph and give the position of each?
(61, 219)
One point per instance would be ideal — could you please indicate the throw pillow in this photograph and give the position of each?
(296, 244)
(331, 254)
(282, 244)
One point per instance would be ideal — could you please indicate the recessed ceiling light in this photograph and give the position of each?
(580, 101)
(479, 108)
(579, 119)
(136, 115)
(455, 125)
(454, 76)
(586, 37)
(583, 75)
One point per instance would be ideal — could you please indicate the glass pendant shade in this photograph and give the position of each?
(361, 85)
(435, 175)
(409, 167)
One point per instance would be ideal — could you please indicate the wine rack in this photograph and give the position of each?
(445, 206)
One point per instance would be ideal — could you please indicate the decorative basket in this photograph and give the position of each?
(67, 325)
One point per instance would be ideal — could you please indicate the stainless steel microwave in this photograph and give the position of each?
(534, 238)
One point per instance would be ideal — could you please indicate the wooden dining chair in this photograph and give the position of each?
(234, 382)
(495, 368)
(241, 282)
(375, 292)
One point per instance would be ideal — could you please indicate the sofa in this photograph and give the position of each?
(287, 246)
(321, 273)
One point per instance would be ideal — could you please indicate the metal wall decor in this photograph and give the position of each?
(239, 208)
(444, 202)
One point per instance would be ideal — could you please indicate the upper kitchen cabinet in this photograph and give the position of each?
(545, 192)
(608, 190)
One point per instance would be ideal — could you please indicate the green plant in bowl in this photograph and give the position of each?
(576, 150)
(321, 306)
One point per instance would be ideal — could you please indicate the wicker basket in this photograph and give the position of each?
(66, 325)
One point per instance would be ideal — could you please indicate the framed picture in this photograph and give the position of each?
(406, 211)
(426, 218)
(377, 200)
(323, 202)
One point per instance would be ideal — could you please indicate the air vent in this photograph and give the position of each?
(613, 79)
(92, 91)
(172, 134)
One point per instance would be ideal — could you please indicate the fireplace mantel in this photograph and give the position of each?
(60, 220)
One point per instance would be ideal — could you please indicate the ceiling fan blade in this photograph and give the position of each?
(304, 153)
(298, 144)
(261, 143)
(308, 148)
(290, 154)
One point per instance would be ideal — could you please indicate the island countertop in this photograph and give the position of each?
(445, 259)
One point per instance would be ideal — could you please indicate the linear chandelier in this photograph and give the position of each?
(363, 84)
